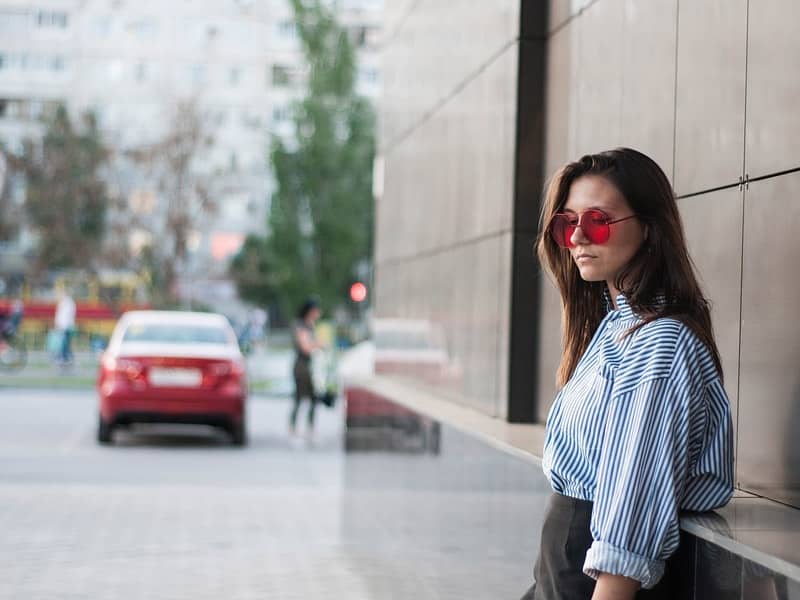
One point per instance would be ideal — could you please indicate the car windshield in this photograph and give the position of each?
(175, 334)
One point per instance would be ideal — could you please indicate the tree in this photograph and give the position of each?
(172, 165)
(10, 217)
(253, 270)
(321, 219)
(66, 196)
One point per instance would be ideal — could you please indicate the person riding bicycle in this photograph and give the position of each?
(13, 354)
(9, 322)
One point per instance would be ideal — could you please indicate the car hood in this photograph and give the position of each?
(221, 351)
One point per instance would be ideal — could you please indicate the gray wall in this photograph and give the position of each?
(444, 223)
(708, 88)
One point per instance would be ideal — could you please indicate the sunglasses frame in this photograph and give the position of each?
(606, 222)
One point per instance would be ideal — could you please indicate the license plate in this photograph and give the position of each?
(162, 377)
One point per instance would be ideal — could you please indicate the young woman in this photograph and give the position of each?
(304, 345)
(641, 426)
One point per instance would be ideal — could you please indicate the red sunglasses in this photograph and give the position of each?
(594, 223)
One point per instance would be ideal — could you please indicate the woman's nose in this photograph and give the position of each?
(577, 236)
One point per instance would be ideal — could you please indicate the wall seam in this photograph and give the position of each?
(742, 196)
(448, 248)
(739, 183)
(675, 93)
(427, 115)
(746, 66)
(400, 24)
(570, 18)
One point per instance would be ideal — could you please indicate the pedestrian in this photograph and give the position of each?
(305, 344)
(641, 426)
(65, 325)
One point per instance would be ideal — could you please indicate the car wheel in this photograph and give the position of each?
(239, 434)
(104, 431)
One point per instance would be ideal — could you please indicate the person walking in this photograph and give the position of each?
(641, 426)
(65, 325)
(305, 344)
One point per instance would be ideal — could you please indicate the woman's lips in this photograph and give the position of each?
(584, 258)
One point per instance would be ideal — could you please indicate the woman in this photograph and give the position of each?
(304, 345)
(641, 426)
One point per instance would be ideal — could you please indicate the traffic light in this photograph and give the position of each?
(358, 292)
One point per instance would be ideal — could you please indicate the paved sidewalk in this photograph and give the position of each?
(181, 514)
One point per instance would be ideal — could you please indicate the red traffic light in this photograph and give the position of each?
(358, 292)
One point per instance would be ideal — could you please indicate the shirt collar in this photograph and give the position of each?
(624, 310)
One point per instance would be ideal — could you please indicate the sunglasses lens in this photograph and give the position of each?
(561, 230)
(595, 226)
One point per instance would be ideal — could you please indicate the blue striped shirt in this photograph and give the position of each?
(643, 430)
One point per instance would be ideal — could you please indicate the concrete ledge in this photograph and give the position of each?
(757, 529)
(525, 441)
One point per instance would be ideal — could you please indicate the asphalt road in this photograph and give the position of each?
(174, 512)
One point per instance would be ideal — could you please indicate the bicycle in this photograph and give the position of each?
(13, 353)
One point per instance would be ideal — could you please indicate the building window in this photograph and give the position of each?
(364, 36)
(51, 19)
(234, 76)
(15, 21)
(36, 109)
(287, 30)
(281, 76)
(197, 73)
(143, 28)
(281, 114)
(250, 120)
(368, 75)
(141, 72)
(102, 26)
(216, 117)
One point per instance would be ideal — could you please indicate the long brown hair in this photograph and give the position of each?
(659, 281)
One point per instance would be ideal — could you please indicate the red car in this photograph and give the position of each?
(172, 367)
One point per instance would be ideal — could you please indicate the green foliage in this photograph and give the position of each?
(66, 197)
(321, 219)
(252, 269)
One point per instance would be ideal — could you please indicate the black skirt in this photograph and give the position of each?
(566, 537)
(303, 384)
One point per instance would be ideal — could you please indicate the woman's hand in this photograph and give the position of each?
(615, 587)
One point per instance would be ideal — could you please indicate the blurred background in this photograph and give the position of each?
(151, 155)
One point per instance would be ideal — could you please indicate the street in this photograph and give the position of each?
(178, 513)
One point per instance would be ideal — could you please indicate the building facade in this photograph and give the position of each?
(239, 62)
(484, 101)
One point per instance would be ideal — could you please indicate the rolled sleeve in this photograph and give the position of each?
(602, 557)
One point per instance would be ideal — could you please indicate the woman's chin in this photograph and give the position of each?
(589, 274)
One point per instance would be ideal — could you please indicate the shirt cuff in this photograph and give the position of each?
(605, 558)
